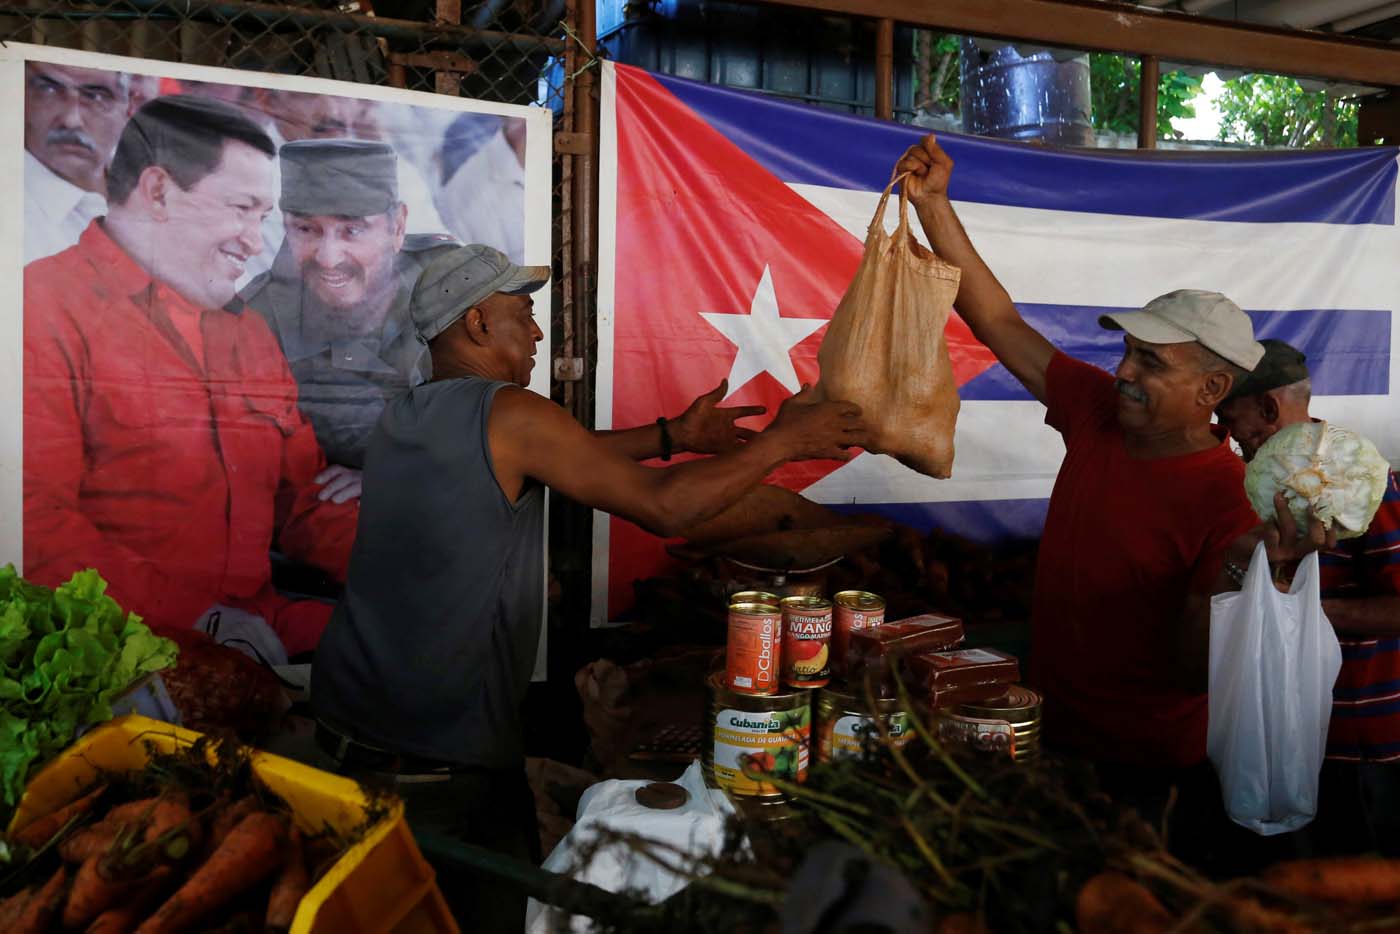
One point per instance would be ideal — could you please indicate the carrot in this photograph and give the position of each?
(96, 888)
(1353, 880)
(1112, 903)
(1250, 915)
(962, 922)
(290, 886)
(41, 830)
(11, 907)
(39, 911)
(173, 827)
(229, 818)
(124, 918)
(90, 841)
(248, 855)
(132, 812)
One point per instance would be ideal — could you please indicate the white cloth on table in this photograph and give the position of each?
(695, 828)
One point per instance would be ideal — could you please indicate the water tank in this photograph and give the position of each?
(1026, 97)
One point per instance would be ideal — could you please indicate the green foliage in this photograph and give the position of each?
(937, 84)
(65, 656)
(1113, 87)
(1271, 110)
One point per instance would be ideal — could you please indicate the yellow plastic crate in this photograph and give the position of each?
(380, 884)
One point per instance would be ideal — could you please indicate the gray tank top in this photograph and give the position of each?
(430, 651)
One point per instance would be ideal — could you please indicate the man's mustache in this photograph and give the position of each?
(1130, 391)
(313, 268)
(66, 137)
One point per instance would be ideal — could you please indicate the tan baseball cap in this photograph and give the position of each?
(1185, 315)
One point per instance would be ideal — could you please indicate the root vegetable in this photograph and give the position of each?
(40, 909)
(95, 889)
(1355, 880)
(1112, 903)
(290, 886)
(249, 854)
(124, 918)
(132, 812)
(88, 842)
(38, 832)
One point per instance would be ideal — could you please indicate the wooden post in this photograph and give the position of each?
(1147, 102)
(884, 70)
(448, 82)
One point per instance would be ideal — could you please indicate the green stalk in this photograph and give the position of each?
(933, 744)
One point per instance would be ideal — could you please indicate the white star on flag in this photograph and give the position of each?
(764, 338)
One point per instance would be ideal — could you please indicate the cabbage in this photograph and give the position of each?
(1336, 471)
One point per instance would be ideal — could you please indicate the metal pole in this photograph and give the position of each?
(884, 70)
(1147, 102)
(586, 202)
(448, 82)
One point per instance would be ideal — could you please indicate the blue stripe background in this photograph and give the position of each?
(801, 144)
(1348, 350)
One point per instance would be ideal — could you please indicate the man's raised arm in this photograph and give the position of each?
(982, 301)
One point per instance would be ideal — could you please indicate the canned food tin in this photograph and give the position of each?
(854, 610)
(754, 648)
(806, 638)
(1010, 724)
(847, 727)
(754, 596)
(772, 733)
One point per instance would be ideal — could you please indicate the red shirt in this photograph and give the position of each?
(1125, 541)
(169, 473)
(1365, 723)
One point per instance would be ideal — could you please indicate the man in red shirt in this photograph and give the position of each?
(1146, 514)
(162, 441)
(1359, 796)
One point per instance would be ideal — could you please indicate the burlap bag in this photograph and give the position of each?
(885, 349)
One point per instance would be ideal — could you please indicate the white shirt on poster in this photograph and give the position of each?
(56, 212)
(484, 201)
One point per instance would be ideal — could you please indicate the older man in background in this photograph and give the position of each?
(1359, 799)
(337, 295)
(72, 117)
(162, 441)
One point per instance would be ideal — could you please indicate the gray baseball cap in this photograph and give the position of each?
(460, 278)
(1185, 315)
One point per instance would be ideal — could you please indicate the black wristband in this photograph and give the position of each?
(667, 446)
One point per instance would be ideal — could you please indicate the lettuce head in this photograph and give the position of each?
(1337, 472)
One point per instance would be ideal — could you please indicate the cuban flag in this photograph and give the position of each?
(732, 222)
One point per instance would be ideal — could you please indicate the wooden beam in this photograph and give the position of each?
(1134, 30)
(1150, 76)
(884, 70)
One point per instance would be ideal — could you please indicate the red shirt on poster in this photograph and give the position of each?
(1125, 541)
(171, 469)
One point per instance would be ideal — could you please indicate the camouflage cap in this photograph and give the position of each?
(1282, 365)
(457, 279)
(345, 177)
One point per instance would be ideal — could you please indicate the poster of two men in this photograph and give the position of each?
(208, 309)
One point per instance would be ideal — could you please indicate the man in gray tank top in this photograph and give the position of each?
(424, 668)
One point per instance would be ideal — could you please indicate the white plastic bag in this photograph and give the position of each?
(1273, 661)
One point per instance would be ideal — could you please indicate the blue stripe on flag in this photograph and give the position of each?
(1351, 652)
(1348, 351)
(1366, 711)
(986, 521)
(807, 145)
(1370, 690)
